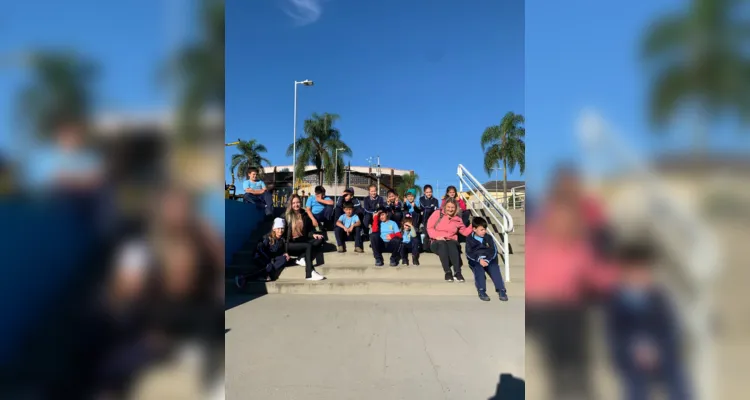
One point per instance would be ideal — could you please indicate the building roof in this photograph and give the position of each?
(362, 170)
(491, 185)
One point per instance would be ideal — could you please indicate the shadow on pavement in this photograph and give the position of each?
(510, 388)
(234, 300)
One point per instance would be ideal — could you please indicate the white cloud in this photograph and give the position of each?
(303, 12)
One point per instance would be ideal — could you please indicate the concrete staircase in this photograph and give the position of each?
(355, 273)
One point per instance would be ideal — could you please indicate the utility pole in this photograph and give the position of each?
(378, 174)
(497, 175)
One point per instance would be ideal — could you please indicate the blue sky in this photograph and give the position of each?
(130, 40)
(585, 53)
(414, 82)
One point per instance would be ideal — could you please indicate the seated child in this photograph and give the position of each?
(348, 196)
(385, 237)
(643, 329)
(427, 204)
(409, 242)
(255, 192)
(270, 256)
(348, 226)
(394, 207)
(320, 207)
(371, 206)
(482, 255)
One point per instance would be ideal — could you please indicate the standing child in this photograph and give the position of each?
(409, 243)
(643, 330)
(394, 207)
(270, 256)
(320, 208)
(428, 204)
(348, 196)
(348, 226)
(371, 206)
(482, 255)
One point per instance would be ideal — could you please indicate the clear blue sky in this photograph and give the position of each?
(415, 82)
(130, 40)
(585, 53)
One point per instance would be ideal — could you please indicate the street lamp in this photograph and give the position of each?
(336, 172)
(306, 82)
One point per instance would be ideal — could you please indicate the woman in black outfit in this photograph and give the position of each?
(302, 240)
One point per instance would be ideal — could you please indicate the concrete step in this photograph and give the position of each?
(401, 272)
(383, 286)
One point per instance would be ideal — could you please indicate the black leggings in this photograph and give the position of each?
(308, 247)
(448, 252)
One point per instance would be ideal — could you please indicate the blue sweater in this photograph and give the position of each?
(477, 247)
(266, 252)
(372, 205)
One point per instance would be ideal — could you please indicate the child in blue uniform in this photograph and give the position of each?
(427, 205)
(270, 256)
(320, 207)
(482, 255)
(386, 237)
(409, 242)
(348, 226)
(370, 206)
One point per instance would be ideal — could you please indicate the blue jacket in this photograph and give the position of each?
(355, 202)
(265, 252)
(428, 205)
(371, 205)
(477, 248)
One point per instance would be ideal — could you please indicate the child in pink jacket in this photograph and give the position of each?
(444, 227)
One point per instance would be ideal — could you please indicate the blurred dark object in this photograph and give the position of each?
(510, 388)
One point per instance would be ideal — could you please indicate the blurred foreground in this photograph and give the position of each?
(636, 277)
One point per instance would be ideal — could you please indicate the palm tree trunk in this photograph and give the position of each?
(505, 184)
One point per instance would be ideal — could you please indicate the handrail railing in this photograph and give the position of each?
(496, 212)
(516, 198)
(687, 239)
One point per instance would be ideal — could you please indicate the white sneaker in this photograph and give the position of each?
(301, 262)
(315, 276)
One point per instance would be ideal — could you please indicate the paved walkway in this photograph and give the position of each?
(372, 347)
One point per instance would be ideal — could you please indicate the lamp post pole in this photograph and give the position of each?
(306, 82)
(336, 173)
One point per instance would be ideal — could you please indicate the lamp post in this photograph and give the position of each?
(336, 172)
(497, 176)
(306, 82)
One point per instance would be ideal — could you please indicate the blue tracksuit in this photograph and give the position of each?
(370, 206)
(427, 207)
(645, 314)
(270, 257)
(478, 248)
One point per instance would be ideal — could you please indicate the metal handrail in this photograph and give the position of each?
(489, 202)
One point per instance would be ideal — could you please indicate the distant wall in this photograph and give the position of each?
(240, 221)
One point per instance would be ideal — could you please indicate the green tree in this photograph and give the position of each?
(199, 70)
(248, 157)
(60, 90)
(697, 58)
(504, 145)
(318, 145)
(408, 181)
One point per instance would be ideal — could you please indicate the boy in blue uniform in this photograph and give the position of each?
(372, 205)
(320, 207)
(643, 330)
(255, 192)
(394, 207)
(409, 243)
(386, 237)
(348, 226)
(482, 255)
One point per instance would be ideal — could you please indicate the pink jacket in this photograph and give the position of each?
(448, 228)
(560, 273)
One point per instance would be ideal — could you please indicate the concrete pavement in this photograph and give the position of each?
(372, 347)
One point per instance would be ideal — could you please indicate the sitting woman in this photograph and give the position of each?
(452, 193)
(301, 239)
(444, 227)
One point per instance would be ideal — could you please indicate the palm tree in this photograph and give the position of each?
(505, 143)
(699, 56)
(248, 157)
(409, 181)
(318, 145)
(60, 91)
(199, 69)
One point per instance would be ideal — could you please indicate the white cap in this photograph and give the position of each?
(278, 223)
